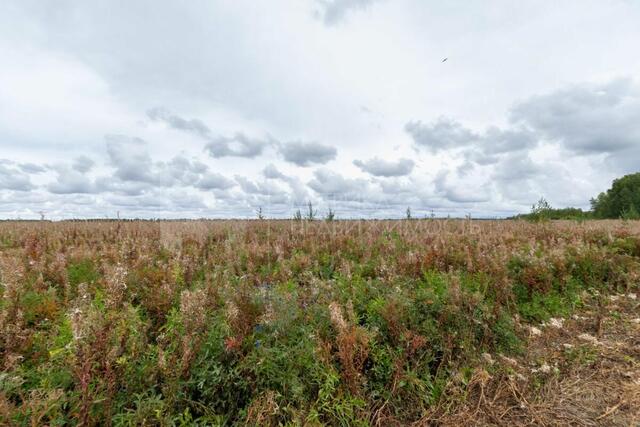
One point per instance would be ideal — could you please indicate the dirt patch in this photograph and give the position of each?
(581, 371)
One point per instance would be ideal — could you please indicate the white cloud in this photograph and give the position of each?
(520, 110)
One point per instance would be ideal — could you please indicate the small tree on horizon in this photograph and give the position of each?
(311, 214)
(331, 215)
(541, 210)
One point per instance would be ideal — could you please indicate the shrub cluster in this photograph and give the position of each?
(278, 322)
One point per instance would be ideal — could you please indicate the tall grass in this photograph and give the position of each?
(278, 322)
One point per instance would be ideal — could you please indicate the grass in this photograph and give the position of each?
(282, 323)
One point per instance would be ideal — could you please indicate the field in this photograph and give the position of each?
(425, 322)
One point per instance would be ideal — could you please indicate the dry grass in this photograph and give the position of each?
(589, 381)
(422, 322)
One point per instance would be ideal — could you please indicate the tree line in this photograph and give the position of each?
(621, 201)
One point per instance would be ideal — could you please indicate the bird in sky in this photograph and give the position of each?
(445, 60)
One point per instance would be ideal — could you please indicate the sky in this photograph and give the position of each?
(217, 108)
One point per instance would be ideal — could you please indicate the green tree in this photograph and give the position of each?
(541, 211)
(622, 199)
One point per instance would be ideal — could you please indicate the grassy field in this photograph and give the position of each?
(426, 322)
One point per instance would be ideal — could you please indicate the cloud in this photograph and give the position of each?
(31, 168)
(333, 11)
(194, 126)
(307, 153)
(461, 192)
(330, 184)
(299, 191)
(133, 164)
(271, 171)
(13, 179)
(242, 145)
(263, 188)
(179, 171)
(130, 158)
(83, 164)
(239, 145)
(476, 149)
(71, 181)
(442, 134)
(385, 168)
(214, 181)
(587, 118)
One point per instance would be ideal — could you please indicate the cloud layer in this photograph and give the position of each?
(205, 110)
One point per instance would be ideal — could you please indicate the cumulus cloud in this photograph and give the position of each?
(83, 164)
(263, 188)
(588, 118)
(459, 192)
(130, 158)
(386, 168)
(71, 181)
(307, 153)
(133, 164)
(31, 168)
(299, 192)
(189, 125)
(12, 178)
(331, 184)
(448, 134)
(271, 171)
(238, 145)
(442, 134)
(214, 181)
(333, 11)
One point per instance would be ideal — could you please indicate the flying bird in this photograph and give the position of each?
(445, 60)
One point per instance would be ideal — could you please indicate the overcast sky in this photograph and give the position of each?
(215, 108)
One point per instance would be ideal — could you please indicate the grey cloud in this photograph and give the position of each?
(239, 145)
(334, 11)
(83, 164)
(214, 181)
(182, 200)
(14, 179)
(516, 167)
(189, 125)
(498, 141)
(31, 168)
(385, 168)
(133, 164)
(271, 171)
(332, 184)
(307, 153)
(476, 149)
(242, 145)
(262, 188)
(586, 119)
(130, 158)
(141, 201)
(460, 193)
(70, 181)
(440, 135)
(128, 188)
(179, 171)
(299, 191)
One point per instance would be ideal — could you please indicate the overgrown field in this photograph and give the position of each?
(285, 322)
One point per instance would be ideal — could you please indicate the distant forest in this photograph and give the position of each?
(621, 201)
